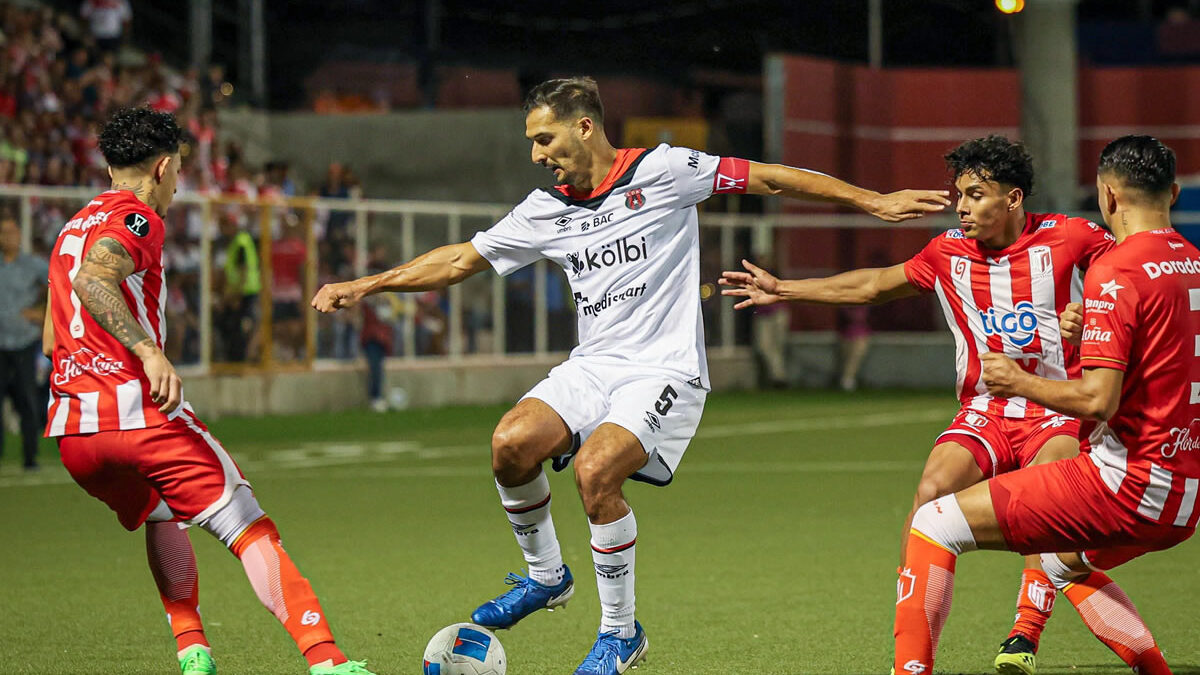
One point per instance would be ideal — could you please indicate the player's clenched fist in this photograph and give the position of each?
(1000, 373)
(1070, 323)
(333, 297)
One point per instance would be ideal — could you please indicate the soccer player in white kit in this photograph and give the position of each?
(622, 224)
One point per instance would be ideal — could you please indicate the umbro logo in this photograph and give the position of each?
(611, 571)
(524, 530)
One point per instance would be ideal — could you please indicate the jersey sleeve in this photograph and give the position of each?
(1110, 303)
(920, 269)
(510, 244)
(1087, 241)
(141, 234)
(699, 175)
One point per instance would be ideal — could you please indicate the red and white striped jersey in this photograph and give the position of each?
(98, 384)
(1008, 301)
(1142, 316)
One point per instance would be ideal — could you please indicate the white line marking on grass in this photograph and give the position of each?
(377, 455)
(872, 420)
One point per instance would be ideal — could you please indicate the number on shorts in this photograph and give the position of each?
(72, 246)
(665, 400)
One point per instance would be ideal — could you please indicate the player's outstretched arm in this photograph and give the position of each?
(1094, 396)
(786, 181)
(441, 267)
(98, 285)
(866, 286)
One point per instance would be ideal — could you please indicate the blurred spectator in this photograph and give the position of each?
(241, 282)
(109, 21)
(22, 305)
(289, 260)
(771, 326)
(277, 176)
(854, 339)
(380, 313)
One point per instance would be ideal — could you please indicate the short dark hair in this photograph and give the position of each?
(133, 135)
(567, 98)
(994, 158)
(1140, 162)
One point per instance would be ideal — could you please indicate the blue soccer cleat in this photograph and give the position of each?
(612, 655)
(526, 597)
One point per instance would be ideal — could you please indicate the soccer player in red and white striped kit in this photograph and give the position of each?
(124, 431)
(1002, 280)
(1135, 490)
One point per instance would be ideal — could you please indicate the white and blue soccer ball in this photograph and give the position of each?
(465, 649)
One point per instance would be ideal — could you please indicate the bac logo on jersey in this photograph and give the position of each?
(1019, 325)
(634, 199)
(137, 224)
(1041, 262)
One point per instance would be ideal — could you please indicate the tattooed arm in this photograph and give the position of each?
(98, 285)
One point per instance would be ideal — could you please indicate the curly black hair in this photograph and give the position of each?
(1141, 162)
(994, 158)
(134, 135)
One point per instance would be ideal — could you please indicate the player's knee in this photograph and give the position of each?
(942, 522)
(596, 482)
(511, 450)
(232, 519)
(930, 488)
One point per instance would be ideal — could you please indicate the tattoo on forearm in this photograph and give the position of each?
(98, 285)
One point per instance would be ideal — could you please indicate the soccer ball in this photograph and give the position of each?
(465, 649)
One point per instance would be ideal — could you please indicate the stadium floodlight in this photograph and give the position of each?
(1010, 6)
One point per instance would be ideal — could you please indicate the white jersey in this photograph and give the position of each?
(631, 253)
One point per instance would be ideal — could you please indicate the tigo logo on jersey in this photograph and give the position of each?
(618, 252)
(1019, 325)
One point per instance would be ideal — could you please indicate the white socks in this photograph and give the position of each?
(942, 522)
(613, 555)
(528, 508)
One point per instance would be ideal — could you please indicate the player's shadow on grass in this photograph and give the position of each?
(1098, 669)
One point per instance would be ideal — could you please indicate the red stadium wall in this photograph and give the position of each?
(888, 129)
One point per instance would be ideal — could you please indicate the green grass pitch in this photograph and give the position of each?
(773, 552)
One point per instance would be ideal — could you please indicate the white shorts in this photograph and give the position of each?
(662, 410)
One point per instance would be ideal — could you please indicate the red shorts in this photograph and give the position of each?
(1065, 506)
(1003, 444)
(179, 463)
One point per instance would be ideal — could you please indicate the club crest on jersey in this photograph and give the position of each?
(634, 199)
(1019, 325)
(1041, 262)
(137, 224)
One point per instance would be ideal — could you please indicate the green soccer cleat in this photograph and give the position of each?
(197, 661)
(347, 668)
(1016, 657)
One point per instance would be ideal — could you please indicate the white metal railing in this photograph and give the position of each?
(539, 316)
